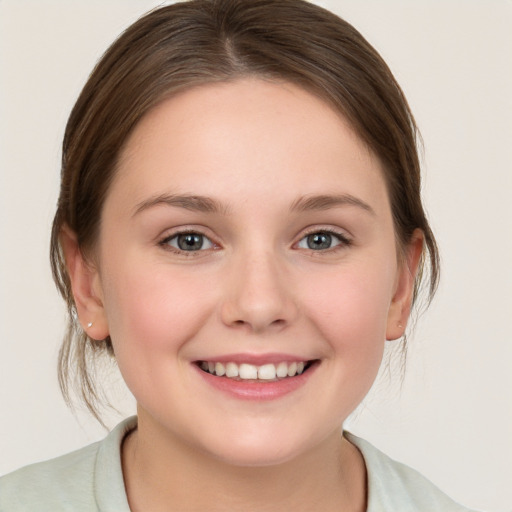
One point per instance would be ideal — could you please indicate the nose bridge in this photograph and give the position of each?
(257, 295)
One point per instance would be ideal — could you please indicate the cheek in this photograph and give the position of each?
(154, 311)
(351, 308)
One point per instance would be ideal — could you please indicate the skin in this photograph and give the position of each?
(259, 150)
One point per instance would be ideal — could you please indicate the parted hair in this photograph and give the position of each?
(196, 42)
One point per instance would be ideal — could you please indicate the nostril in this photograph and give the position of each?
(276, 323)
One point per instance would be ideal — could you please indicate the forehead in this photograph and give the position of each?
(246, 138)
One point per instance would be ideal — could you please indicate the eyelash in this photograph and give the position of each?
(343, 240)
(165, 243)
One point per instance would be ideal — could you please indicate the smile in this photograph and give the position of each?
(246, 371)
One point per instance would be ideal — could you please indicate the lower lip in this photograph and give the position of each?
(257, 390)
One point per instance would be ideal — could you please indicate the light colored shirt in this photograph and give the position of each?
(91, 479)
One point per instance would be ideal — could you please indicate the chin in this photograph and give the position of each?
(252, 456)
(259, 449)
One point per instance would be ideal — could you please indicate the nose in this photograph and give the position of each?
(258, 295)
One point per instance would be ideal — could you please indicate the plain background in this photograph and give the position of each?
(452, 418)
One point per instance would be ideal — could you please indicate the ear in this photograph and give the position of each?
(86, 287)
(400, 307)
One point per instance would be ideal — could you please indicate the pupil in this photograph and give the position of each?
(319, 241)
(190, 242)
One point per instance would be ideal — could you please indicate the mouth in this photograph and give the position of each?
(269, 372)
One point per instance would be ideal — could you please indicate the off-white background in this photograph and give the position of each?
(453, 418)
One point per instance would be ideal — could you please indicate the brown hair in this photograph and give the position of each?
(204, 41)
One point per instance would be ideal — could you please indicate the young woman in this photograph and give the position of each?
(240, 226)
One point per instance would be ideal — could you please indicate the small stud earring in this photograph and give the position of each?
(89, 324)
(400, 326)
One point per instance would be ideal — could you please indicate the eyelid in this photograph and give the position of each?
(344, 239)
(163, 241)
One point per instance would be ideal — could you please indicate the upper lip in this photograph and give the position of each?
(255, 359)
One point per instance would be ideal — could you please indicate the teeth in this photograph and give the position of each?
(292, 369)
(231, 370)
(267, 372)
(219, 369)
(282, 370)
(247, 371)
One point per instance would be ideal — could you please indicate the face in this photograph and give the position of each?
(247, 231)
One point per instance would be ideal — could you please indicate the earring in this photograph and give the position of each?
(400, 326)
(89, 324)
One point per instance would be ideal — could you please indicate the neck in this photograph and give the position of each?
(169, 475)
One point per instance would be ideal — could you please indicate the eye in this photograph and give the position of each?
(322, 240)
(189, 242)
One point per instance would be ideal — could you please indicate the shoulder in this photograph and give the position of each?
(51, 484)
(75, 481)
(393, 486)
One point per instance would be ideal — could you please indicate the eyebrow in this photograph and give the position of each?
(326, 202)
(188, 202)
(208, 205)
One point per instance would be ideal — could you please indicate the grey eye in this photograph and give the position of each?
(190, 242)
(320, 241)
